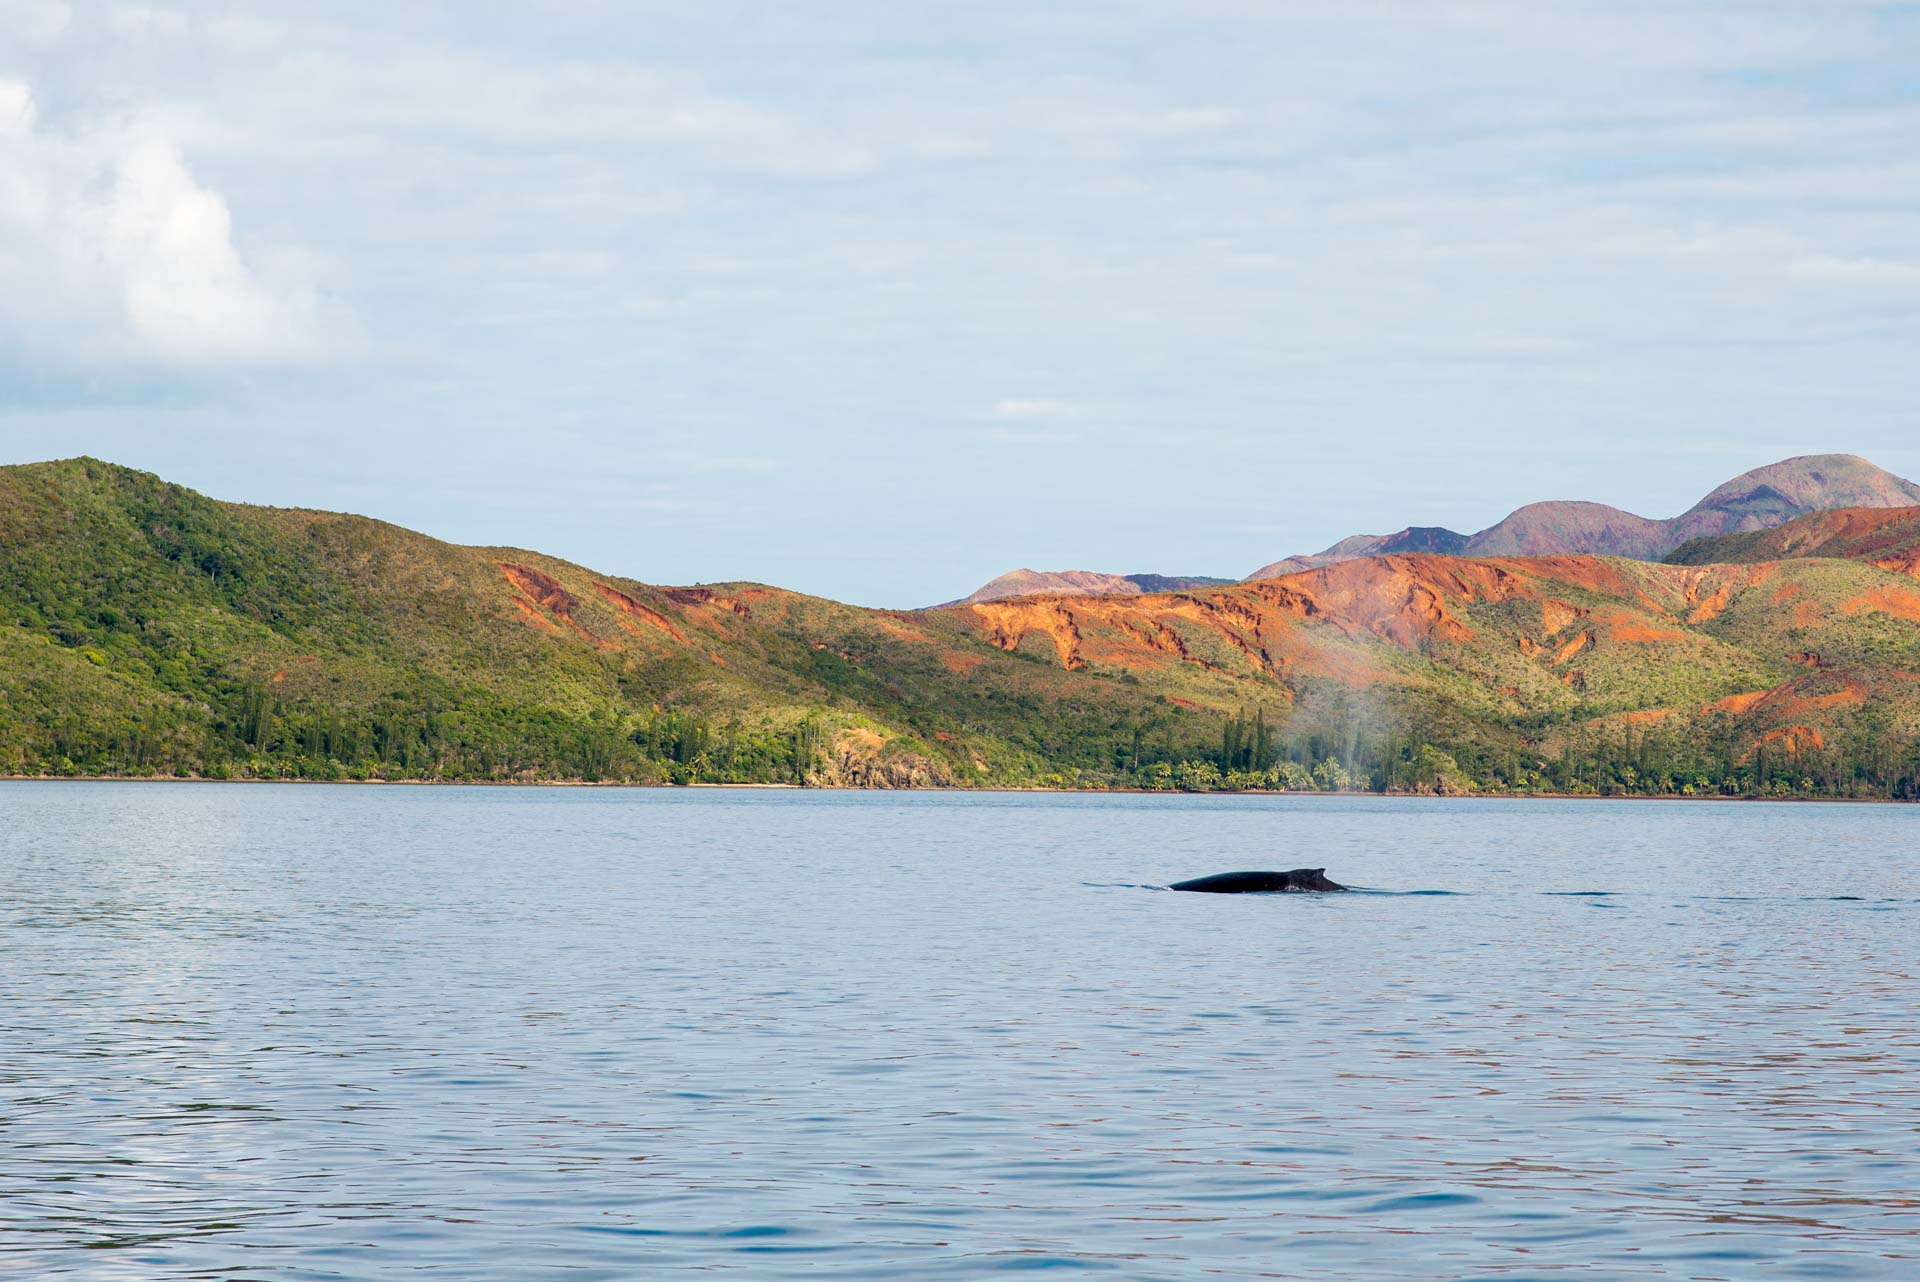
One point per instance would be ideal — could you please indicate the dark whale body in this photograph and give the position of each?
(1259, 883)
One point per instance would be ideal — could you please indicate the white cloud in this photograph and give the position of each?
(112, 253)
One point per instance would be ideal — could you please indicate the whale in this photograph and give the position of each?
(1260, 883)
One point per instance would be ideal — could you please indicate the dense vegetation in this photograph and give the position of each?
(146, 630)
(1716, 758)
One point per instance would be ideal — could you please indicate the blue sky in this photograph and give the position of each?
(879, 300)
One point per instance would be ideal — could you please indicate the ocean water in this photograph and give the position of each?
(285, 1032)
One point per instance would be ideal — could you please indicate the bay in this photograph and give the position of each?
(303, 1032)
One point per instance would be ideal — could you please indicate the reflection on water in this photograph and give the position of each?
(304, 1032)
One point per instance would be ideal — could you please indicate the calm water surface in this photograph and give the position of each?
(360, 1033)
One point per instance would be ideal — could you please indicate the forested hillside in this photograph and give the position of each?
(149, 630)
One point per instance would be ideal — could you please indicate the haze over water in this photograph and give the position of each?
(367, 1033)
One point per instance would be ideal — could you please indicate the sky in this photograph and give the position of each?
(877, 300)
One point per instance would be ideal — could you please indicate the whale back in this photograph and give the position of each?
(1259, 883)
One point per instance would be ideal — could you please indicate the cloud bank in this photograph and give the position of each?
(112, 253)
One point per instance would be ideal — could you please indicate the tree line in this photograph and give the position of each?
(251, 733)
(1713, 756)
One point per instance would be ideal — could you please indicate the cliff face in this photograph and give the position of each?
(859, 758)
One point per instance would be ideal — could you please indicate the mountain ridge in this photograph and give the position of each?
(1756, 499)
(1760, 498)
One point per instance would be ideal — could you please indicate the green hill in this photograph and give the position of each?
(156, 630)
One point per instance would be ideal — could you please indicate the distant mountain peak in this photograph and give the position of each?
(1759, 499)
(1414, 538)
(1779, 492)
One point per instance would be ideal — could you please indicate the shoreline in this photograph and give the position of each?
(1000, 789)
